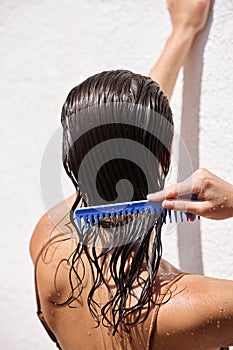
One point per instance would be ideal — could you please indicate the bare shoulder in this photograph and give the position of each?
(198, 315)
(52, 244)
(52, 224)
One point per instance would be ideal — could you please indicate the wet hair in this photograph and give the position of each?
(131, 110)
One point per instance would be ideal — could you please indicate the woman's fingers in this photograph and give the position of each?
(194, 207)
(181, 205)
(157, 196)
(173, 191)
(215, 196)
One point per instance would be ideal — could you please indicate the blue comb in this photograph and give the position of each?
(89, 216)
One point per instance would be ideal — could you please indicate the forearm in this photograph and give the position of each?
(166, 69)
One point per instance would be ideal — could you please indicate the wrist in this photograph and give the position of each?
(183, 35)
(227, 201)
(231, 201)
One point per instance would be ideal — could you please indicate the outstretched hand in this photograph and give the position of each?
(188, 18)
(214, 196)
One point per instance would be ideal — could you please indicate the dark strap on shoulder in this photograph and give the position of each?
(48, 330)
(40, 314)
(157, 307)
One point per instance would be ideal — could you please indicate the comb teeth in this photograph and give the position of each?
(88, 217)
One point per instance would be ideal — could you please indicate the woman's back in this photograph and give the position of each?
(75, 325)
(168, 327)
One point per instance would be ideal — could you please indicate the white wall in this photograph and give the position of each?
(49, 46)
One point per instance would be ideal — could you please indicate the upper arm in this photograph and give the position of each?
(199, 314)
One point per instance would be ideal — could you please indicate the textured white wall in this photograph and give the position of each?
(49, 46)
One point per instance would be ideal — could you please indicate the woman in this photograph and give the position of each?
(123, 295)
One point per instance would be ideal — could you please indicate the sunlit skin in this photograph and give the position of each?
(215, 196)
(199, 312)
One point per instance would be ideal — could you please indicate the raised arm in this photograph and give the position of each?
(188, 18)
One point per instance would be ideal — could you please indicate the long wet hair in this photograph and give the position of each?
(117, 106)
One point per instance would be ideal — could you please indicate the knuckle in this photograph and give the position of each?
(201, 179)
(202, 172)
(181, 206)
(187, 206)
(171, 191)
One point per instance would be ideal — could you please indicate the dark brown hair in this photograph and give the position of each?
(123, 104)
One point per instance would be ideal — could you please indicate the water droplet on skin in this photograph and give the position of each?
(221, 310)
(89, 333)
(218, 324)
(52, 312)
(192, 333)
(225, 199)
(58, 294)
(210, 320)
(167, 333)
(222, 206)
(214, 208)
(73, 319)
(49, 295)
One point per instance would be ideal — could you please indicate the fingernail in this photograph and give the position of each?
(168, 204)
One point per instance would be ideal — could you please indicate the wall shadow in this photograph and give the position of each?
(189, 235)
